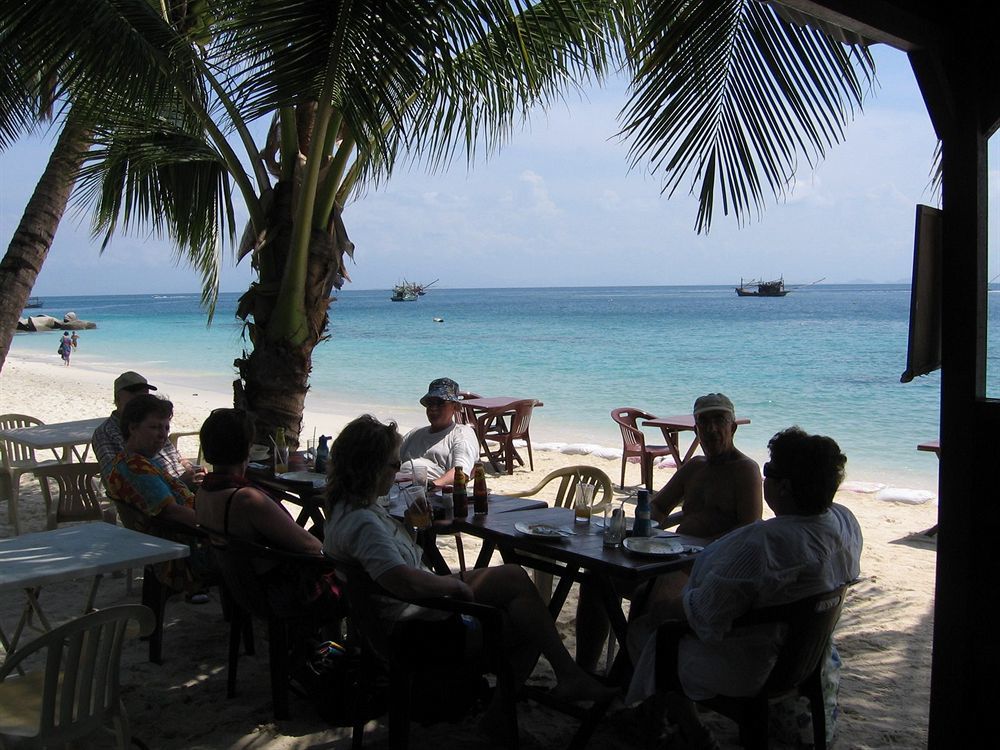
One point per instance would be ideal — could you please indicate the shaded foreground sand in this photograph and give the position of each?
(884, 635)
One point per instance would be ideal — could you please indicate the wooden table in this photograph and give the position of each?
(671, 427)
(931, 446)
(581, 558)
(64, 436)
(88, 550)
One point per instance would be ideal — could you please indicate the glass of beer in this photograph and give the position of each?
(583, 502)
(420, 509)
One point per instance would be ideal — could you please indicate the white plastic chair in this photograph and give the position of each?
(77, 693)
(16, 459)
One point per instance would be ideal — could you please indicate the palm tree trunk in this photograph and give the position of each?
(33, 238)
(274, 376)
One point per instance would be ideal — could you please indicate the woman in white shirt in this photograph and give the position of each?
(364, 460)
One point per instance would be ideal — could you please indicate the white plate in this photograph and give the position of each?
(654, 546)
(542, 530)
(318, 480)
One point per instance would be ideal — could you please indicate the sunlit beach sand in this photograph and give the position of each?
(884, 636)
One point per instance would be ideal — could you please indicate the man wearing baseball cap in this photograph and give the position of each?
(108, 440)
(718, 491)
(443, 444)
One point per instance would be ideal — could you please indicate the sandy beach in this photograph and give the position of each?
(884, 636)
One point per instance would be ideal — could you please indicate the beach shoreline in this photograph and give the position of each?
(89, 380)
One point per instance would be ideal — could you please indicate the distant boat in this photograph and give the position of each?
(34, 302)
(764, 288)
(409, 291)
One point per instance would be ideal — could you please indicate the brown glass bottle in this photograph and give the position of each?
(480, 494)
(460, 494)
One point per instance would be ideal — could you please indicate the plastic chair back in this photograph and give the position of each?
(569, 477)
(79, 691)
(13, 453)
(78, 493)
(627, 419)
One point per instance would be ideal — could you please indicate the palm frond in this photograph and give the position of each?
(728, 98)
(169, 181)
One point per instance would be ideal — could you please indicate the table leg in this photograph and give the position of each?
(672, 440)
(562, 590)
(485, 553)
(92, 596)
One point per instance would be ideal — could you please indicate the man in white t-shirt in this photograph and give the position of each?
(443, 444)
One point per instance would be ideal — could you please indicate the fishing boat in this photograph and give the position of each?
(33, 302)
(402, 293)
(764, 288)
(409, 291)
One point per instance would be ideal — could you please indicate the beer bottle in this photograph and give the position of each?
(322, 454)
(460, 495)
(480, 495)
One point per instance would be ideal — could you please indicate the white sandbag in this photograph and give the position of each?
(901, 495)
(580, 449)
(863, 487)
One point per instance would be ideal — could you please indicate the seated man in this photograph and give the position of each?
(719, 491)
(138, 482)
(108, 440)
(443, 444)
(810, 547)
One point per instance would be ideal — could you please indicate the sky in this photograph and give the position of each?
(559, 206)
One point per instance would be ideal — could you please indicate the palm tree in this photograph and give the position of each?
(350, 89)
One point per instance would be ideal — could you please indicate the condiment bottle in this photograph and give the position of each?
(322, 454)
(480, 494)
(460, 495)
(642, 526)
(448, 502)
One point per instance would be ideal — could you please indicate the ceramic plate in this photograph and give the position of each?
(318, 480)
(543, 530)
(658, 547)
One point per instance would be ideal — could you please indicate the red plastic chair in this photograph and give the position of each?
(634, 443)
(466, 416)
(504, 426)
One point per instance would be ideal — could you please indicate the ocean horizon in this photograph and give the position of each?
(826, 357)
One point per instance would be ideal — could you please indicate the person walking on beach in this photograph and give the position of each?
(109, 440)
(810, 547)
(718, 491)
(65, 348)
(443, 444)
(74, 338)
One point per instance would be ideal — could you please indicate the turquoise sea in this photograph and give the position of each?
(825, 357)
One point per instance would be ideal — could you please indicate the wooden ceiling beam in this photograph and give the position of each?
(904, 25)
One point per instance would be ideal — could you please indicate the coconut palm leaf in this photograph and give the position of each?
(168, 180)
(728, 98)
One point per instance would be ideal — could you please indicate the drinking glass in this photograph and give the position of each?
(583, 502)
(280, 460)
(420, 509)
(614, 526)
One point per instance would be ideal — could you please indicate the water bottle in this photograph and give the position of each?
(642, 525)
(322, 454)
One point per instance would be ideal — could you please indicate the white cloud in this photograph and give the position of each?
(541, 202)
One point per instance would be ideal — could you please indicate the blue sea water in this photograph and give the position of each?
(825, 357)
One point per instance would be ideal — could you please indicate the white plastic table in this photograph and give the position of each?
(64, 436)
(89, 550)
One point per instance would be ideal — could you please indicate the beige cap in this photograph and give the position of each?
(714, 402)
(128, 380)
